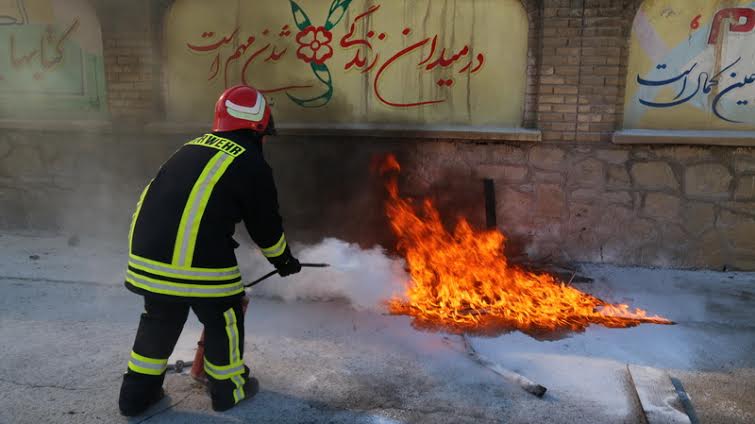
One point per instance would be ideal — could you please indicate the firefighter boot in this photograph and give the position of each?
(223, 403)
(138, 394)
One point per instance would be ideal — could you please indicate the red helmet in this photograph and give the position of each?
(243, 107)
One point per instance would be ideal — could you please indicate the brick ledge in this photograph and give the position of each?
(700, 138)
(380, 131)
(61, 125)
(342, 130)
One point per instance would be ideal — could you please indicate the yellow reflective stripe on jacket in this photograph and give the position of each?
(232, 331)
(189, 268)
(277, 249)
(183, 250)
(222, 144)
(223, 372)
(136, 215)
(159, 277)
(145, 365)
(180, 289)
(187, 273)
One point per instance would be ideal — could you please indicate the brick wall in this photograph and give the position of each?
(581, 69)
(128, 61)
(534, 12)
(131, 49)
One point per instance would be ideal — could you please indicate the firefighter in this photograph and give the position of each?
(181, 251)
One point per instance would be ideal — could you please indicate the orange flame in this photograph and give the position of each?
(462, 282)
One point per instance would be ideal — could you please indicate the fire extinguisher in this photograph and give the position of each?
(197, 366)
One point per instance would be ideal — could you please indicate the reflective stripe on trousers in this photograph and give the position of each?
(232, 330)
(236, 368)
(235, 365)
(144, 365)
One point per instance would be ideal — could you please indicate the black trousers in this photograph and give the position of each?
(161, 325)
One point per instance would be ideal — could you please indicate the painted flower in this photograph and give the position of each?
(314, 44)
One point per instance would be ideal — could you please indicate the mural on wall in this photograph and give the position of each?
(353, 61)
(51, 63)
(692, 66)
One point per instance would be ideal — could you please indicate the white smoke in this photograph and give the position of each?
(366, 278)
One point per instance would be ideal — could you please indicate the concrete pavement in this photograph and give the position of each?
(67, 325)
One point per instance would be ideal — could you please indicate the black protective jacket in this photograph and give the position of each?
(181, 239)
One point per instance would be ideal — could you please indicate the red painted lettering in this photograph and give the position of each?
(735, 15)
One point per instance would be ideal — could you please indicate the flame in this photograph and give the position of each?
(462, 282)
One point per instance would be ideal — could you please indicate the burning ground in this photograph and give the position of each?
(461, 281)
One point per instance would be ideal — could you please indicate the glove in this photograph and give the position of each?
(291, 266)
(287, 264)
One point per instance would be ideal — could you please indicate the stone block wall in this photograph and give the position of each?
(681, 207)
(83, 183)
(688, 207)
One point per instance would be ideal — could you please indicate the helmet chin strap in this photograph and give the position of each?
(270, 130)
